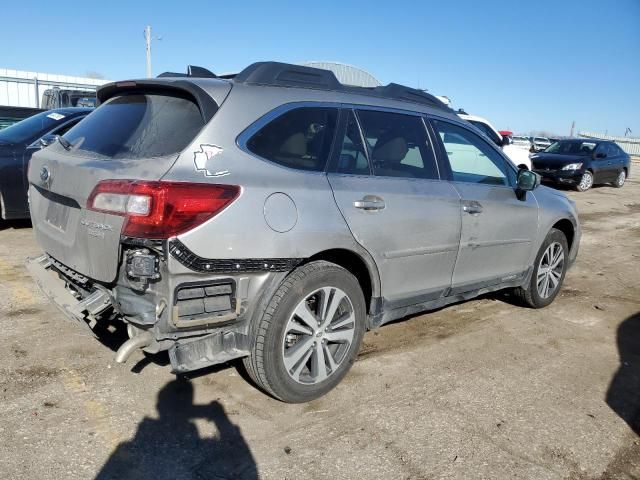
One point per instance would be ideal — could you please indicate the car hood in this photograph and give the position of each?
(553, 159)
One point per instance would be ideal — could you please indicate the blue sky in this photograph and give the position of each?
(524, 65)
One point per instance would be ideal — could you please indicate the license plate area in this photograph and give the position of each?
(57, 215)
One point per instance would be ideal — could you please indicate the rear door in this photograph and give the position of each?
(614, 161)
(386, 183)
(134, 135)
(498, 228)
(602, 164)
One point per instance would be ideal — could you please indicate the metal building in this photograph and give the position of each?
(26, 89)
(347, 74)
(628, 144)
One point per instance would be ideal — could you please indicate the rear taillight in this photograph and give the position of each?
(158, 210)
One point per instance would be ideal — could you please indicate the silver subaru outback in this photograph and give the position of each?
(276, 215)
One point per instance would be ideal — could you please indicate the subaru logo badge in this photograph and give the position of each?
(45, 175)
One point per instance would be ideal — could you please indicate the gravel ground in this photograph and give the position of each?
(483, 389)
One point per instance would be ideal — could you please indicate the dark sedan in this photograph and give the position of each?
(17, 143)
(582, 163)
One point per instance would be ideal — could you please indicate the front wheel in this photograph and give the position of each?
(309, 334)
(586, 182)
(548, 272)
(620, 179)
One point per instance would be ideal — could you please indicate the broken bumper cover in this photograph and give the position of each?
(80, 310)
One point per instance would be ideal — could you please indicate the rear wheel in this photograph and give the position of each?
(586, 182)
(620, 179)
(310, 333)
(548, 272)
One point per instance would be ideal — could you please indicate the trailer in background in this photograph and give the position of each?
(23, 94)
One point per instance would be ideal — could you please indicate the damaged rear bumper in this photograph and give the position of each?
(82, 311)
(215, 332)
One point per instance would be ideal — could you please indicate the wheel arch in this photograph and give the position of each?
(566, 226)
(363, 268)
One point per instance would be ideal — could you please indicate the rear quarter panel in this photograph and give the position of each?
(241, 230)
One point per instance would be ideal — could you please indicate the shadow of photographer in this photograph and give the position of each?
(623, 395)
(170, 446)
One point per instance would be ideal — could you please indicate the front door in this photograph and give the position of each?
(498, 227)
(386, 184)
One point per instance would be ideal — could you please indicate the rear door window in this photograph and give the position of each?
(398, 145)
(353, 156)
(138, 125)
(612, 150)
(300, 138)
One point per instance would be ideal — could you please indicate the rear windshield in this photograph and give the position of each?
(139, 125)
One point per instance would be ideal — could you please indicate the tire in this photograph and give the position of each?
(531, 294)
(586, 182)
(621, 179)
(298, 354)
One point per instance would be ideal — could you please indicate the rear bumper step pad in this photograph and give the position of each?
(81, 311)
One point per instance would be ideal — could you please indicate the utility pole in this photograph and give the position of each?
(147, 38)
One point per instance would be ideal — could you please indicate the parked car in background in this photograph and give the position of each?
(519, 158)
(522, 142)
(18, 143)
(538, 144)
(276, 215)
(583, 163)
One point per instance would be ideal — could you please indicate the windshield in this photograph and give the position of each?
(486, 129)
(572, 148)
(541, 140)
(31, 128)
(138, 126)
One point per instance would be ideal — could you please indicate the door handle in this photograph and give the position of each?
(472, 207)
(370, 203)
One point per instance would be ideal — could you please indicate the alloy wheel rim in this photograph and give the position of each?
(318, 335)
(550, 270)
(586, 181)
(621, 178)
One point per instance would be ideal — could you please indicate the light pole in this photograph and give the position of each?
(147, 39)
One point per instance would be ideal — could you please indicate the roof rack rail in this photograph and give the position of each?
(288, 75)
(193, 71)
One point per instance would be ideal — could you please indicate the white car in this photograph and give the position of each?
(518, 155)
(540, 143)
(522, 142)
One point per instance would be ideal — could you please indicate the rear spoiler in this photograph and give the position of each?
(207, 105)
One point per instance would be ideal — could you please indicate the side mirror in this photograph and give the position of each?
(47, 140)
(528, 180)
(601, 155)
